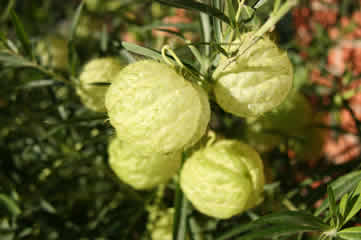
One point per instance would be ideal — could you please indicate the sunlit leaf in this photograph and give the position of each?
(352, 233)
(197, 6)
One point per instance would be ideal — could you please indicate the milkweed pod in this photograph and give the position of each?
(141, 170)
(257, 81)
(103, 5)
(149, 104)
(223, 179)
(99, 70)
(287, 120)
(308, 146)
(53, 51)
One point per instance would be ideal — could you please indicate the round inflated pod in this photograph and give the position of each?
(99, 70)
(258, 80)
(151, 105)
(223, 179)
(140, 169)
(53, 51)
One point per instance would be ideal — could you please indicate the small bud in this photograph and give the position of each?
(151, 105)
(223, 179)
(100, 70)
(256, 82)
(141, 170)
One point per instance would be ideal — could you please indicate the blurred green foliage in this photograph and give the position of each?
(55, 182)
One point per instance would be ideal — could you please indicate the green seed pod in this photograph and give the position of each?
(151, 105)
(103, 5)
(257, 81)
(53, 51)
(100, 70)
(89, 27)
(289, 119)
(141, 170)
(223, 179)
(310, 139)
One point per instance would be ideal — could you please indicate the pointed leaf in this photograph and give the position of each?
(10, 204)
(197, 6)
(40, 83)
(343, 205)
(341, 186)
(21, 34)
(352, 233)
(217, 29)
(259, 3)
(299, 218)
(148, 52)
(76, 19)
(178, 34)
(355, 203)
(278, 230)
(332, 205)
(14, 60)
(72, 56)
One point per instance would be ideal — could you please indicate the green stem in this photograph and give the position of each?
(268, 25)
(180, 215)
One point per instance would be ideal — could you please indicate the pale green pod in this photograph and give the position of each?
(310, 139)
(289, 119)
(103, 5)
(256, 82)
(152, 106)
(99, 70)
(141, 170)
(223, 179)
(53, 51)
(90, 27)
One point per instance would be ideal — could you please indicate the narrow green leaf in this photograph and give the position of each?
(195, 231)
(207, 31)
(126, 55)
(7, 11)
(148, 52)
(333, 207)
(299, 218)
(259, 4)
(353, 203)
(341, 186)
(21, 34)
(217, 29)
(221, 50)
(10, 205)
(178, 34)
(3, 38)
(278, 230)
(14, 60)
(75, 22)
(40, 83)
(231, 12)
(352, 233)
(343, 205)
(104, 39)
(73, 56)
(197, 6)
